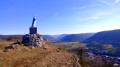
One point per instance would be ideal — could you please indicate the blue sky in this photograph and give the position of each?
(59, 16)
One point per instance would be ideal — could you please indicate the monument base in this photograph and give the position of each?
(33, 30)
(33, 39)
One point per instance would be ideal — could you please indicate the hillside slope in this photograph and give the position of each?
(45, 56)
(76, 37)
(107, 37)
(105, 43)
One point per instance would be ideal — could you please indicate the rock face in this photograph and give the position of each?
(33, 39)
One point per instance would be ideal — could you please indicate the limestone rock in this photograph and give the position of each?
(33, 39)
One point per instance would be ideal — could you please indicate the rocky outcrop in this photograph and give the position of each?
(33, 39)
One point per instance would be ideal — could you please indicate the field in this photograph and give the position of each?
(45, 56)
(70, 45)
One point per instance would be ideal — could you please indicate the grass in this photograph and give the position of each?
(70, 45)
(45, 56)
(4, 44)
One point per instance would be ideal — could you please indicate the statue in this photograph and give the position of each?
(34, 21)
(33, 29)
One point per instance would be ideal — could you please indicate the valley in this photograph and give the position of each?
(93, 50)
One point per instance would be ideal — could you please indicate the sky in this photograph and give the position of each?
(59, 16)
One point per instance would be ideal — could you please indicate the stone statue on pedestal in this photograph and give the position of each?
(33, 38)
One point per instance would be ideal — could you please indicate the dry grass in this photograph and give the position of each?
(45, 56)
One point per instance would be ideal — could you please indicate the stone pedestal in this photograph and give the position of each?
(33, 30)
(33, 39)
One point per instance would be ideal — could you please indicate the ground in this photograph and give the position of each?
(45, 56)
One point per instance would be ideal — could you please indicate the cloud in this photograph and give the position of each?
(83, 7)
(105, 2)
(78, 8)
(81, 19)
(93, 5)
(96, 16)
(117, 1)
(91, 17)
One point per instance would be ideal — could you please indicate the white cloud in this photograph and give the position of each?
(97, 15)
(92, 5)
(117, 1)
(105, 2)
(91, 18)
(78, 8)
(83, 7)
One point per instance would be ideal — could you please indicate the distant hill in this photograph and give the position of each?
(76, 37)
(7, 36)
(59, 36)
(62, 35)
(19, 37)
(56, 36)
(111, 36)
(49, 37)
(10, 37)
